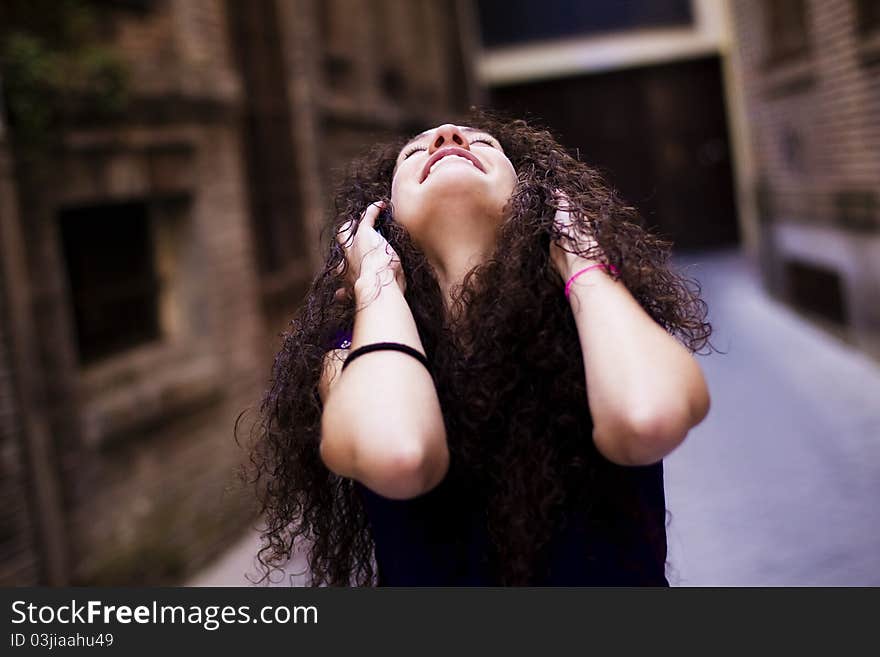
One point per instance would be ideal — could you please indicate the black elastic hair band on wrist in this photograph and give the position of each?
(393, 346)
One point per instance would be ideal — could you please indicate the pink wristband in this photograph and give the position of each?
(585, 269)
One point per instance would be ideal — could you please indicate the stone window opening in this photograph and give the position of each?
(135, 275)
(868, 17)
(868, 30)
(109, 254)
(337, 32)
(786, 30)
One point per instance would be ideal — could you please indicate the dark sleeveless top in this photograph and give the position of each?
(440, 538)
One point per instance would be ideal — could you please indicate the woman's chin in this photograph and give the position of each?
(453, 186)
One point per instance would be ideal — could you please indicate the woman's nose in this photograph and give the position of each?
(448, 135)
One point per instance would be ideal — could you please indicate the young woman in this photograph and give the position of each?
(517, 359)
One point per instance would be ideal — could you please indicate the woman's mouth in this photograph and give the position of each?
(450, 151)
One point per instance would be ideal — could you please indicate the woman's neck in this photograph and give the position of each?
(451, 272)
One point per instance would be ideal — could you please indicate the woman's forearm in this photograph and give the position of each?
(645, 389)
(384, 412)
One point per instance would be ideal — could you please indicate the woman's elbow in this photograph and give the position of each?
(410, 469)
(643, 439)
(396, 468)
(657, 436)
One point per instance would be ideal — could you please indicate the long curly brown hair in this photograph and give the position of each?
(514, 398)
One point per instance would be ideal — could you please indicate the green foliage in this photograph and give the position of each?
(53, 67)
(29, 75)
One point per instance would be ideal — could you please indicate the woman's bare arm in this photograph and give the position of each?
(382, 424)
(646, 391)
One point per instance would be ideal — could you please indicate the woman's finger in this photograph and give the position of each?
(372, 211)
(344, 234)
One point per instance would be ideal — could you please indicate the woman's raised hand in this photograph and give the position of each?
(578, 238)
(371, 259)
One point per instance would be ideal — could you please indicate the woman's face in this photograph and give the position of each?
(451, 168)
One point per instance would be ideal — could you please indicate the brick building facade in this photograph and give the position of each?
(811, 83)
(19, 557)
(148, 272)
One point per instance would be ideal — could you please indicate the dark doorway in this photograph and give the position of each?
(660, 135)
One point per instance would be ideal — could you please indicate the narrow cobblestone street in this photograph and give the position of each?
(780, 484)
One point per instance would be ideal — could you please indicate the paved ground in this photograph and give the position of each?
(238, 567)
(780, 485)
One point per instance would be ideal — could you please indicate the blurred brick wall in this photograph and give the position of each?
(362, 71)
(19, 556)
(143, 438)
(18, 559)
(814, 116)
(152, 482)
(156, 497)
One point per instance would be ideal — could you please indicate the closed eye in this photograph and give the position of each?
(483, 140)
(413, 150)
